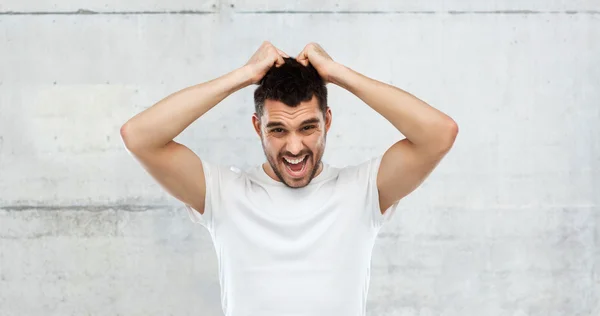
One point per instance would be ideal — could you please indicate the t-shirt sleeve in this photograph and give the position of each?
(369, 170)
(212, 178)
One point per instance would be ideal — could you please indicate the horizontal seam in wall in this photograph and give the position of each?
(199, 12)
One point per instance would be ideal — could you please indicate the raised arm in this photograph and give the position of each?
(149, 135)
(429, 133)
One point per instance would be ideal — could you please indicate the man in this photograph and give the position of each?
(294, 235)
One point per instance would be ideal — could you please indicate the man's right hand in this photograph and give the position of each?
(265, 57)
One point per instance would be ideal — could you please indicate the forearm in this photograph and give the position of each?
(422, 124)
(162, 122)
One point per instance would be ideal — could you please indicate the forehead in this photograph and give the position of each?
(279, 112)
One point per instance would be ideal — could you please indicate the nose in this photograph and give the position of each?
(294, 144)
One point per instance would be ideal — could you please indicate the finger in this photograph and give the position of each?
(302, 58)
(279, 61)
(304, 61)
(282, 53)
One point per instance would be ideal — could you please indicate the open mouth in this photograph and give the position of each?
(297, 169)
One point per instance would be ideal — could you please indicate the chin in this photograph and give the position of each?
(295, 182)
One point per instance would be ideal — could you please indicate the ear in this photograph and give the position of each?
(256, 124)
(328, 117)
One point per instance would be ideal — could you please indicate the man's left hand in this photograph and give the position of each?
(314, 54)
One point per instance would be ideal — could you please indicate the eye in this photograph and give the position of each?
(306, 128)
(277, 130)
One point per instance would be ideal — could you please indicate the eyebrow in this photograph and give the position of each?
(308, 121)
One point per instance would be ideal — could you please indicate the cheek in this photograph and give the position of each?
(272, 146)
(319, 142)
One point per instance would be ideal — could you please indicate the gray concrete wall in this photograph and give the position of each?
(508, 225)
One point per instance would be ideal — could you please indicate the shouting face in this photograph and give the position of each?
(293, 139)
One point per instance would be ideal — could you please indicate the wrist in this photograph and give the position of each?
(244, 75)
(337, 72)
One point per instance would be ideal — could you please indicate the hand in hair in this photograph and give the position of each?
(263, 59)
(314, 54)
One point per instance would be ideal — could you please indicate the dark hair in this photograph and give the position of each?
(290, 83)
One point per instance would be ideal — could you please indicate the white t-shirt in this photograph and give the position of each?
(293, 252)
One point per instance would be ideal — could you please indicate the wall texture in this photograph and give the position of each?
(508, 225)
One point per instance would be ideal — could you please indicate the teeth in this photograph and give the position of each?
(294, 161)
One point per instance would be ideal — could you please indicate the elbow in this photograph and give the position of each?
(451, 134)
(127, 136)
(448, 136)
(123, 131)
